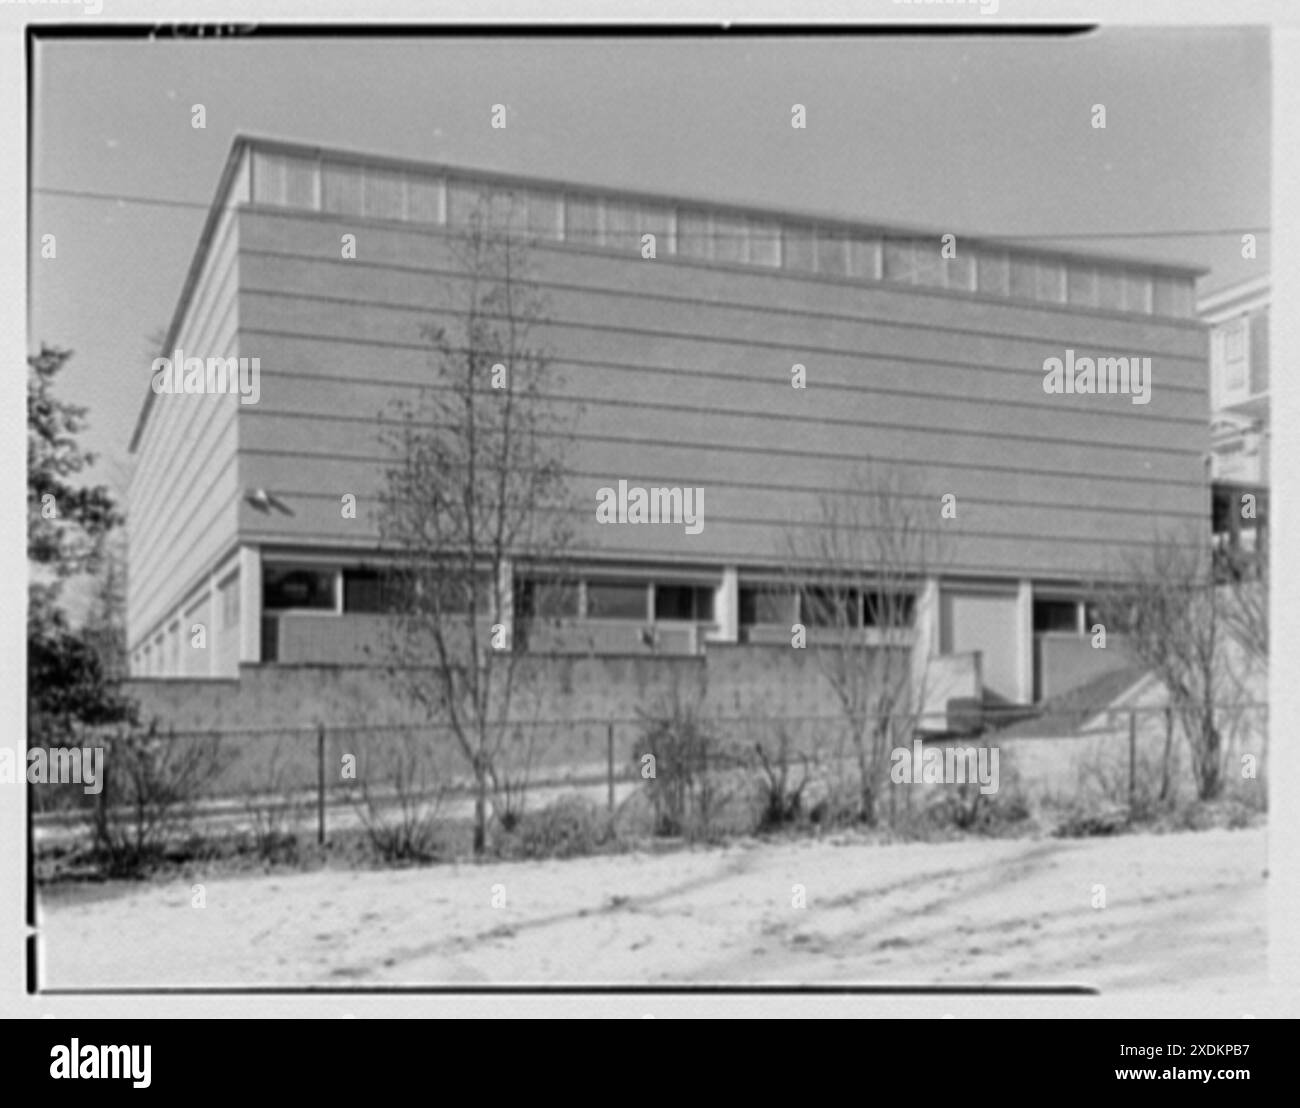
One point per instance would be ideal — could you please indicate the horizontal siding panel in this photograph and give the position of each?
(1147, 427)
(208, 329)
(729, 372)
(182, 431)
(278, 312)
(405, 248)
(725, 505)
(201, 498)
(1015, 407)
(656, 440)
(211, 448)
(190, 551)
(316, 468)
(201, 433)
(750, 544)
(785, 410)
(637, 315)
(180, 508)
(681, 370)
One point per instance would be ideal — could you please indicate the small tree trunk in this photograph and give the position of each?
(480, 811)
(868, 805)
(866, 802)
(867, 792)
(1169, 749)
(1211, 783)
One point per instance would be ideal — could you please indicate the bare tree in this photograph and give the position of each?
(1173, 618)
(151, 785)
(858, 571)
(473, 492)
(1247, 612)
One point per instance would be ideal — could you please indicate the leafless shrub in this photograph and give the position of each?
(1145, 788)
(570, 826)
(151, 782)
(694, 777)
(274, 814)
(1172, 615)
(400, 802)
(781, 795)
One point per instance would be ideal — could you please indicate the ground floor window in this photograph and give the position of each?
(617, 599)
(370, 591)
(298, 587)
(889, 609)
(846, 607)
(539, 598)
(766, 604)
(830, 606)
(693, 603)
(1056, 616)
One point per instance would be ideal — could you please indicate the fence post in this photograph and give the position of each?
(320, 784)
(609, 750)
(1132, 755)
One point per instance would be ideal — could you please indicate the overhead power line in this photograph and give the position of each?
(165, 202)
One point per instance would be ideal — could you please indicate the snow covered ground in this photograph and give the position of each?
(1181, 911)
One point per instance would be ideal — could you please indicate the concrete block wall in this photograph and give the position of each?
(734, 680)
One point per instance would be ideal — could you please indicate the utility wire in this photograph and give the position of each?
(164, 202)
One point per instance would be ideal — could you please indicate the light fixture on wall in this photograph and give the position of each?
(264, 501)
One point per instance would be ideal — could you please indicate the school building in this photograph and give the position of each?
(931, 360)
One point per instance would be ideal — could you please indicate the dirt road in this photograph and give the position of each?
(1180, 911)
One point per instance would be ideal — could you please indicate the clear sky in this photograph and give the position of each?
(982, 135)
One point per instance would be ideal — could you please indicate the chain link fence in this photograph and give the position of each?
(281, 781)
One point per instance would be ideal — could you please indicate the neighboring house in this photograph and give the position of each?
(683, 365)
(1239, 420)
